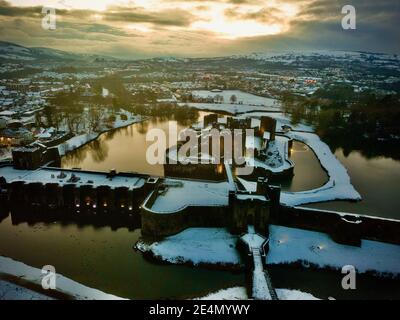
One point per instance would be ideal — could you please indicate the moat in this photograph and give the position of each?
(124, 150)
(125, 272)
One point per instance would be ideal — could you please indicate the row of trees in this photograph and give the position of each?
(365, 122)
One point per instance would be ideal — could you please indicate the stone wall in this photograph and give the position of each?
(158, 225)
(343, 228)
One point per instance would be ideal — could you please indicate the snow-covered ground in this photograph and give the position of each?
(226, 107)
(63, 284)
(76, 142)
(240, 293)
(290, 245)
(11, 291)
(287, 245)
(196, 246)
(338, 187)
(243, 98)
(181, 194)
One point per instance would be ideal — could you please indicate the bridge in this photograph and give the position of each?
(261, 287)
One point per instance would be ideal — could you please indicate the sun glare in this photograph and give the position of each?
(237, 29)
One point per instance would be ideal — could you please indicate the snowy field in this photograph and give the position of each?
(63, 284)
(240, 293)
(243, 98)
(227, 107)
(290, 245)
(196, 246)
(338, 187)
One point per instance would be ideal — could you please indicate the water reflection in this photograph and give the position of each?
(308, 173)
(105, 259)
(378, 182)
(123, 149)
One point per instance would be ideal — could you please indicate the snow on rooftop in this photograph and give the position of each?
(250, 186)
(290, 245)
(44, 176)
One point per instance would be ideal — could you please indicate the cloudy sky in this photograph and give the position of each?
(148, 28)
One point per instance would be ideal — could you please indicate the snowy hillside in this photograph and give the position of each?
(391, 61)
(12, 51)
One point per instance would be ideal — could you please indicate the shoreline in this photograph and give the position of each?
(31, 278)
(87, 138)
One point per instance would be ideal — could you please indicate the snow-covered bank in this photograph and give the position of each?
(65, 285)
(196, 246)
(80, 140)
(217, 246)
(290, 245)
(11, 291)
(338, 187)
(240, 293)
(228, 107)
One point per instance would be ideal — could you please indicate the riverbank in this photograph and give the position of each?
(338, 187)
(10, 268)
(288, 246)
(83, 139)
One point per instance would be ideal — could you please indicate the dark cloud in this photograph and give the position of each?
(317, 25)
(7, 10)
(172, 17)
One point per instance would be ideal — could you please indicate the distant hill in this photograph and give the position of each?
(15, 52)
